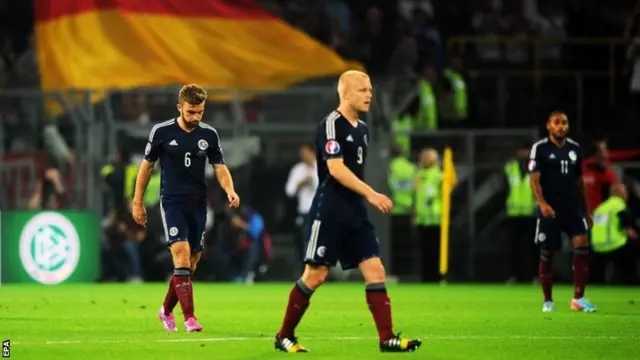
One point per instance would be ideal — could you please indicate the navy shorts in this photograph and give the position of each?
(330, 241)
(549, 230)
(182, 225)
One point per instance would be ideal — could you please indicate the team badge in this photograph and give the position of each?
(203, 144)
(332, 147)
(532, 165)
(542, 237)
(147, 149)
(366, 140)
(321, 251)
(573, 156)
(173, 231)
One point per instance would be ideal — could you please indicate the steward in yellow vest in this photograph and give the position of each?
(402, 174)
(520, 198)
(453, 73)
(612, 223)
(427, 213)
(402, 127)
(401, 177)
(427, 118)
(613, 226)
(520, 221)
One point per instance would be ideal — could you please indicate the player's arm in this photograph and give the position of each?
(346, 177)
(151, 154)
(224, 178)
(222, 173)
(534, 167)
(142, 180)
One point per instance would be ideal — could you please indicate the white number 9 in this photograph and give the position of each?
(187, 159)
(360, 159)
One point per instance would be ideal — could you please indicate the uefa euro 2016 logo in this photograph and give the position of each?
(49, 248)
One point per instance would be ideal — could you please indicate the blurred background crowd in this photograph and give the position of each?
(479, 77)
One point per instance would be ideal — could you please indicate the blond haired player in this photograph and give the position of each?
(338, 226)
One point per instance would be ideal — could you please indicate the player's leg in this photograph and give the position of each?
(320, 255)
(363, 250)
(195, 259)
(196, 224)
(547, 238)
(175, 229)
(577, 230)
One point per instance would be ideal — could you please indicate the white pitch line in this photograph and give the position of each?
(346, 338)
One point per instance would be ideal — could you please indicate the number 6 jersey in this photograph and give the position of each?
(183, 157)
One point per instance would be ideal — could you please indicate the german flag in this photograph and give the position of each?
(100, 44)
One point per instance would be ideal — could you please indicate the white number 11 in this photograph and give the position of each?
(564, 166)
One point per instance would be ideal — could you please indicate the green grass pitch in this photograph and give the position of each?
(455, 322)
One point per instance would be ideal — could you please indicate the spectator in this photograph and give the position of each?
(250, 225)
(50, 191)
(302, 184)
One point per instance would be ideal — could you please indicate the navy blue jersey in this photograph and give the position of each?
(560, 169)
(336, 137)
(183, 157)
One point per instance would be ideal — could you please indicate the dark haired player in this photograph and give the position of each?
(556, 179)
(183, 145)
(339, 229)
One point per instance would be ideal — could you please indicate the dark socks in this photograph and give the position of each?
(171, 299)
(184, 290)
(298, 303)
(580, 271)
(380, 307)
(545, 272)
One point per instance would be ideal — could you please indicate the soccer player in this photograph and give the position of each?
(183, 145)
(339, 229)
(556, 179)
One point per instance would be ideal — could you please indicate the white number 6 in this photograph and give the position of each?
(187, 159)
(360, 159)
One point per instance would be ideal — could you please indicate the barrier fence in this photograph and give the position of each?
(265, 130)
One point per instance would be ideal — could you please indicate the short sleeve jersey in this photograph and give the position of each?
(183, 157)
(560, 169)
(336, 137)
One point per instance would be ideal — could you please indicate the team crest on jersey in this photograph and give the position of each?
(366, 140)
(147, 149)
(203, 144)
(332, 147)
(573, 156)
(532, 165)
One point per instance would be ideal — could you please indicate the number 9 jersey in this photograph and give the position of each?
(338, 228)
(338, 138)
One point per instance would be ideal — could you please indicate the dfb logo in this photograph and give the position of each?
(6, 348)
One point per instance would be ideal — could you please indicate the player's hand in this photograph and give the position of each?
(380, 201)
(139, 213)
(234, 199)
(547, 210)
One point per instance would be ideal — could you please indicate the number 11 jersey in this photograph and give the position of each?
(560, 169)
